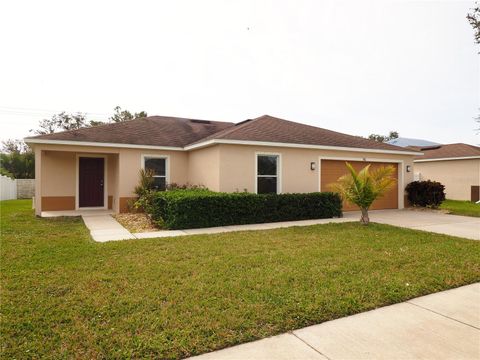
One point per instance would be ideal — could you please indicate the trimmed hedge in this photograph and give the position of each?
(425, 193)
(188, 209)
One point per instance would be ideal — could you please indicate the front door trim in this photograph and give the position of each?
(400, 180)
(77, 180)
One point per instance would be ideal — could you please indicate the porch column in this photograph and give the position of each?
(38, 180)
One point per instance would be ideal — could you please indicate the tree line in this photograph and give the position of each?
(17, 159)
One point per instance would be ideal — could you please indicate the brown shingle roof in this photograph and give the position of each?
(271, 129)
(179, 132)
(447, 151)
(152, 130)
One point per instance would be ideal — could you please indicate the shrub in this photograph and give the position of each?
(187, 186)
(144, 191)
(425, 193)
(197, 208)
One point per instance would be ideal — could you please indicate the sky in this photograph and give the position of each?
(357, 67)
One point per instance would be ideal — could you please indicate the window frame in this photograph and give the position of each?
(278, 175)
(167, 165)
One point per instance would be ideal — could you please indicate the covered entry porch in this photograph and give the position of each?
(76, 181)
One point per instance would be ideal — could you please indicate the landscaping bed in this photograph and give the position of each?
(136, 222)
(65, 296)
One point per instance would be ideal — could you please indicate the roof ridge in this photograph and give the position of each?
(229, 130)
(328, 130)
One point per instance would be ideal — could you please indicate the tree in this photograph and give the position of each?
(119, 116)
(125, 115)
(384, 138)
(14, 145)
(61, 122)
(474, 20)
(17, 160)
(364, 187)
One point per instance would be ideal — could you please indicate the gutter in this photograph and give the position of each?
(216, 142)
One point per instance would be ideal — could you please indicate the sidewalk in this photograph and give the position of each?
(444, 325)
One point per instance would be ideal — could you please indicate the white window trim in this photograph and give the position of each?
(156, 156)
(279, 170)
(400, 179)
(105, 182)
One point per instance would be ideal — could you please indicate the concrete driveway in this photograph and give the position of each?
(462, 226)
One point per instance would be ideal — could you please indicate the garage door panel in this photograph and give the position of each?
(331, 170)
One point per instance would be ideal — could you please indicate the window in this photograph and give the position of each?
(267, 174)
(159, 167)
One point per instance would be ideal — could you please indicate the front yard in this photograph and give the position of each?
(62, 295)
(457, 207)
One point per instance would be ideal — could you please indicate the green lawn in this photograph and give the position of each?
(457, 207)
(64, 296)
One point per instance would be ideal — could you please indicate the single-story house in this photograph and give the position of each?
(98, 167)
(457, 166)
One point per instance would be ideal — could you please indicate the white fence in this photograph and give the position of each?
(8, 188)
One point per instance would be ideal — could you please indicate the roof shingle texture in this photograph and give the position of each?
(447, 151)
(152, 130)
(271, 129)
(179, 132)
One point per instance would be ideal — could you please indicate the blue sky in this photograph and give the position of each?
(358, 67)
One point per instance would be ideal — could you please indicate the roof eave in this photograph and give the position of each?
(293, 145)
(215, 142)
(448, 158)
(30, 140)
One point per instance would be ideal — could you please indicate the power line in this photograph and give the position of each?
(42, 112)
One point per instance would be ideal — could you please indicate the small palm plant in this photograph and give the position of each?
(144, 190)
(364, 187)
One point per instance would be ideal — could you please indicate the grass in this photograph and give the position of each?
(457, 207)
(64, 296)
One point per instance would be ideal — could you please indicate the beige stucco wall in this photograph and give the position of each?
(226, 168)
(203, 167)
(457, 175)
(57, 164)
(237, 167)
(130, 162)
(58, 173)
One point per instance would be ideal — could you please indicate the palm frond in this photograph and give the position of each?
(362, 188)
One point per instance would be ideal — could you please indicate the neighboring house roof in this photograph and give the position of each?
(152, 130)
(189, 134)
(404, 142)
(447, 152)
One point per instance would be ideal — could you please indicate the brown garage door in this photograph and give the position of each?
(333, 169)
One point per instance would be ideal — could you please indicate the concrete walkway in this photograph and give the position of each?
(231, 228)
(445, 325)
(462, 226)
(105, 228)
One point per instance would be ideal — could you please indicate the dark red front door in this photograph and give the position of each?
(91, 182)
